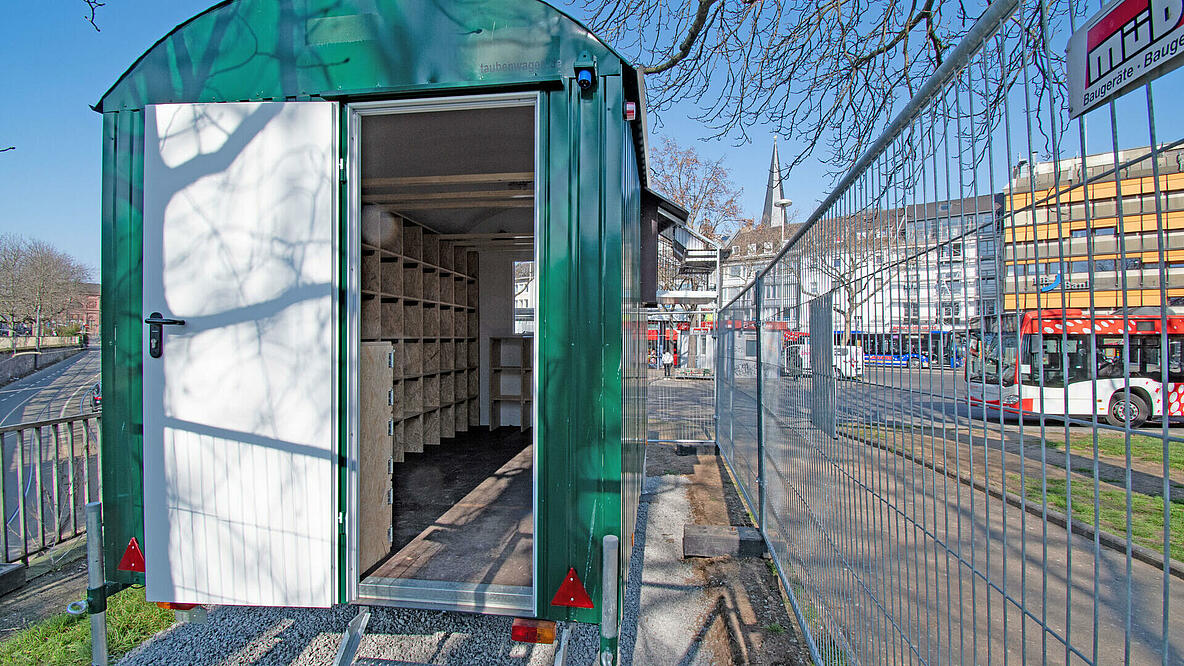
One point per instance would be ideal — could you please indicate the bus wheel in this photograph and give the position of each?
(1126, 407)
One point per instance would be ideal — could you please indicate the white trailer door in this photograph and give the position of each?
(240, 224)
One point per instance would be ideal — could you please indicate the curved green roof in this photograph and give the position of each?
(253, 50)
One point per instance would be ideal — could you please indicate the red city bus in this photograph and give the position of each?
(1051, 366)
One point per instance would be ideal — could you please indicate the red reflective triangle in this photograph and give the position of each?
(133, 558)
(571, 592)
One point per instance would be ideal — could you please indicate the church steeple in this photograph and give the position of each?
(773, 215)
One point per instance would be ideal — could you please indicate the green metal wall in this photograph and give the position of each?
(591, 336)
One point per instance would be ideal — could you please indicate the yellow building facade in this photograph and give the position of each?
(1059, 216)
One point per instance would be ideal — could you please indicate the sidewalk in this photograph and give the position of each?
(703, 610)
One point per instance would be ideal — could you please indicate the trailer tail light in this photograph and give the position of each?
(630, 111)
(533, 631)
(172, 605)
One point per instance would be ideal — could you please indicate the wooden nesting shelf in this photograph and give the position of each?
(419, 320)
(511, 380)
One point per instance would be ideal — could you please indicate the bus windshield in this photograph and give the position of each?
(991, 358)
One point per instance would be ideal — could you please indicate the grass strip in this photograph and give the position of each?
(65, 639)
(1146, 512)
(1143, 448)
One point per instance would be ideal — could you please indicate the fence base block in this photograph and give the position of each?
(12, 577)
(722, 541)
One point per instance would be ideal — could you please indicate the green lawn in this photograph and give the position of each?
(1143, 448)
(65, 639)
(1146, 513)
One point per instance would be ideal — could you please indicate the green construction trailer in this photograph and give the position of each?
(373, 279)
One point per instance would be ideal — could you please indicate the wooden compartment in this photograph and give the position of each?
(474, 413)
(431, 428)
(431, 392)
(431, 248)
(444, 289)
(474, 353)
(413, 320)
(460, 360)
(414, 395)
(412, 359)
(460, 260)
(472, 261)
(412, 281)
(371, 277)
(413, 434)
(431, 320)
(392, 276)
(446, 250)
(392, 318)
(413, 242)
(431, 285)
(447, 356)
(446, 384)
(431, 356)
(371, 318)
(474, 381)
(447, 422)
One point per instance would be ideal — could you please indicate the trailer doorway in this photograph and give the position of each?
(441, 494)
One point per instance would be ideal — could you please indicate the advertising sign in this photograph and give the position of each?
(1127, 44)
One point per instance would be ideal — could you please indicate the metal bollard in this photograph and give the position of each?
(96, 584)
(609, 575)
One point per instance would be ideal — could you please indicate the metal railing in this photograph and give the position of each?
(971, 452)
(50, 471)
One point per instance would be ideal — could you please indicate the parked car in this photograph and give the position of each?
(96, 397)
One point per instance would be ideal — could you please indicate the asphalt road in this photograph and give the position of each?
(62, 480)
(59, 390)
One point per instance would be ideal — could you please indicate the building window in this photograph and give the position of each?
(1079, 233)
(1103, 231)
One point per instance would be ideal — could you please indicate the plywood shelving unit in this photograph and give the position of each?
(511, 379)
(419, 323)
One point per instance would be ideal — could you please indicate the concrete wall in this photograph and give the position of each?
(13, 368)
(25, 342)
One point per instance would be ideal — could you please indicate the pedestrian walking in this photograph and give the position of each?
(667, 361)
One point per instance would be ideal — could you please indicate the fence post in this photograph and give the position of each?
(758, 301)
(96, 584)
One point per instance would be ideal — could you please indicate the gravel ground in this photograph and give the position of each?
(239, 635)
(711, 611)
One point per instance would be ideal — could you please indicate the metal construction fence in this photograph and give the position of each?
(50, 472)
(971, 451)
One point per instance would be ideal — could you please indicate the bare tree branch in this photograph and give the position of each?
(93, 6)
(826, 75)
(5, 150)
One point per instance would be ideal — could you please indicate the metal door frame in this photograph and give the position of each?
(411, 593)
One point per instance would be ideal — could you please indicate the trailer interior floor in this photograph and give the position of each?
(463, 512)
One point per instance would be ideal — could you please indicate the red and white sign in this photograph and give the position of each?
(1125, 45)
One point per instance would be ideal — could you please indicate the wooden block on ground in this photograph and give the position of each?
(721, 541)
(12, 577)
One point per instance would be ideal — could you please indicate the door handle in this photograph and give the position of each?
(156, 322)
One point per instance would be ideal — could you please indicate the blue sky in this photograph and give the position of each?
(56, 66)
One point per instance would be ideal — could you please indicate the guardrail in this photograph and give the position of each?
(1026, 505)
(50, 471)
